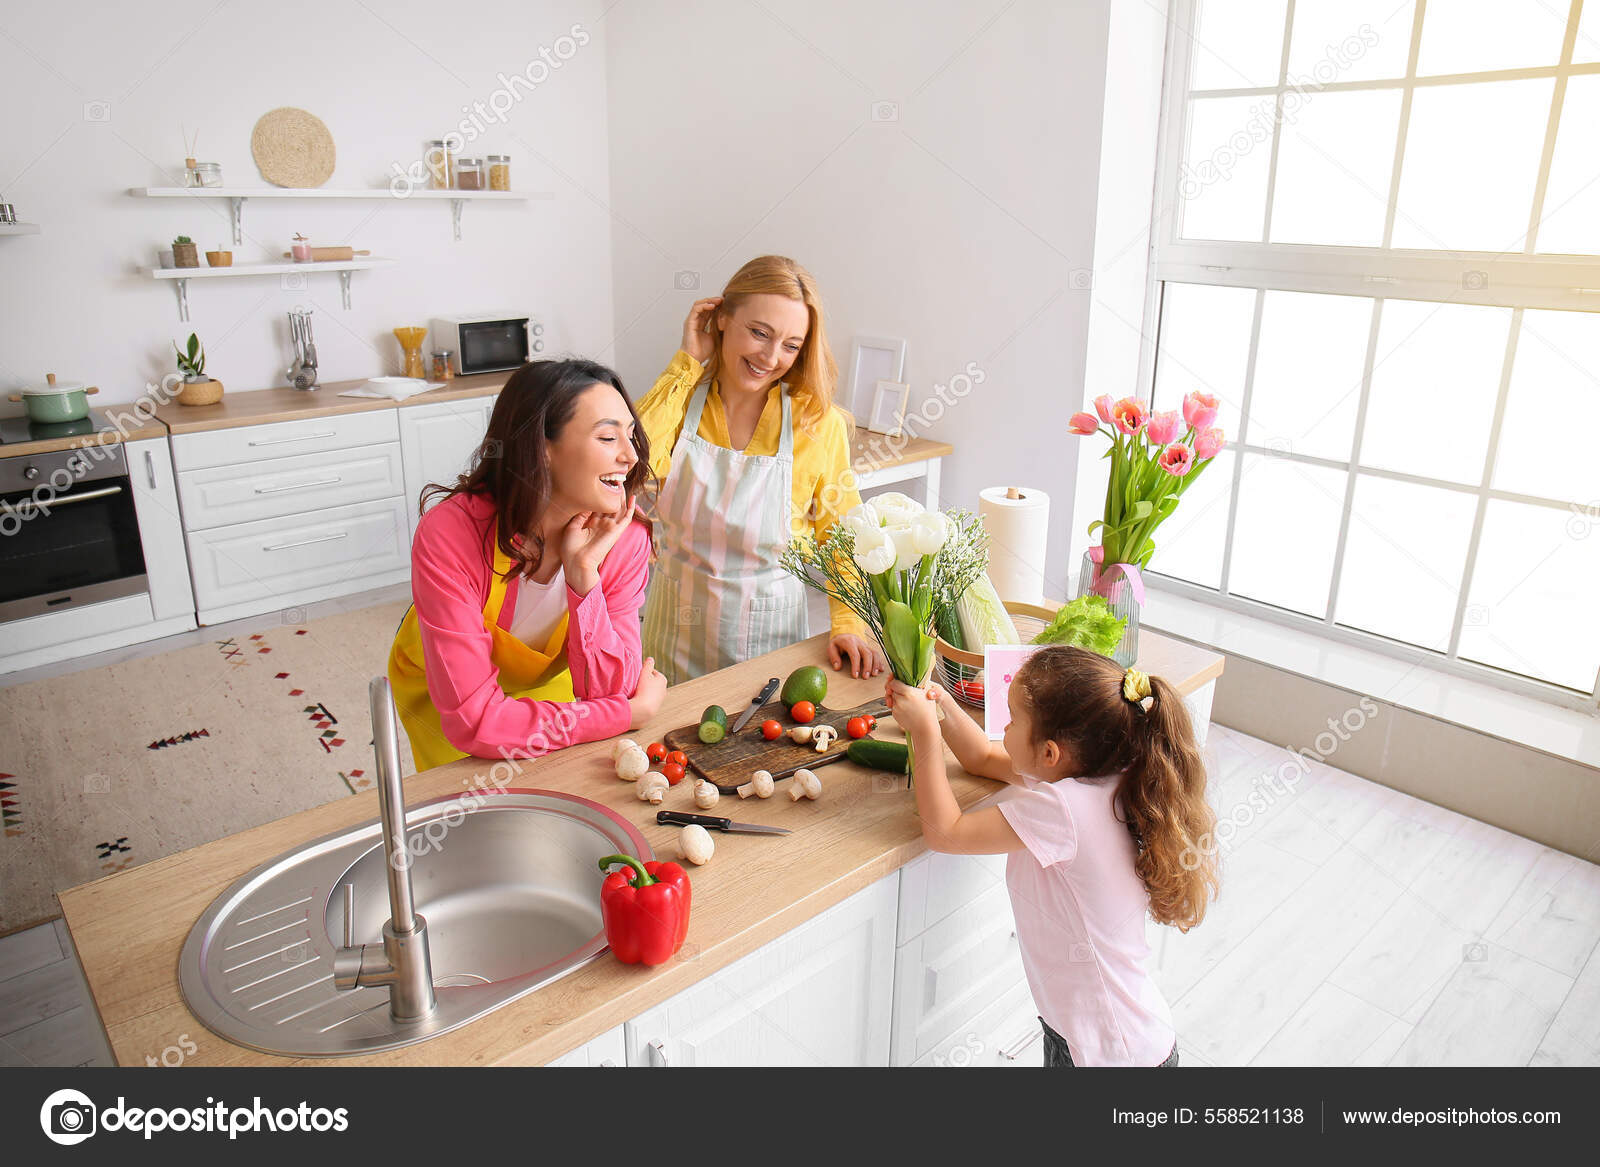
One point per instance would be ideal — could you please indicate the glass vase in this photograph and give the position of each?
(1115, 588)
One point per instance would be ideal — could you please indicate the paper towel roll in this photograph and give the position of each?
(1019, 529)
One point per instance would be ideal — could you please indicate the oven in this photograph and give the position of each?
(69, 534)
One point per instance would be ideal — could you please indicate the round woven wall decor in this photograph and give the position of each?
(292, 148)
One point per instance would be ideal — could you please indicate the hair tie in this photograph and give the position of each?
(1135, 686)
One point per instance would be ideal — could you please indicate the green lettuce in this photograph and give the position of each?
(1086, 622)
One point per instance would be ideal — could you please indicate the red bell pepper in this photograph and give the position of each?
(646, 911)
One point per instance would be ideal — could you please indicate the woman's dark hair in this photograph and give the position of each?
(512, 463)
(1076, 700)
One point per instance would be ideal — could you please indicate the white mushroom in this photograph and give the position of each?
(695, 845)
(621, 746)
(804, 784)
(632, 765)
(706, 794)
(800, 734)
(823, 736)
(760, 785)
(652, 787)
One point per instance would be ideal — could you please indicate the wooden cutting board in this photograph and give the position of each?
(731, 761)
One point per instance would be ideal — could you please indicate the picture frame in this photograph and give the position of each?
(888, 413)
(872, 359)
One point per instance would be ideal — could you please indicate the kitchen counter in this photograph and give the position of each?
(129, 928)
(134, 431)
(258, 406)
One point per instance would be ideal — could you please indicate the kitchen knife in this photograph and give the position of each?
(678, 818)
(756, 702)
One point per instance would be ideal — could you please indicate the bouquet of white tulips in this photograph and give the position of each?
(898, 566)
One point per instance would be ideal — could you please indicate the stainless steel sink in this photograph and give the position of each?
(509, 883)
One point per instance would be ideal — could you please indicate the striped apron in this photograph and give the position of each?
(717, 595)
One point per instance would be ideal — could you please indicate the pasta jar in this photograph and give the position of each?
(437, 159)
(441, 365)
(499, 172)
(469, 173)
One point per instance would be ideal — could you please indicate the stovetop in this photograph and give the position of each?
(16, 430)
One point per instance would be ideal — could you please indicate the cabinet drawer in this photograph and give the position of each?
(273, 557)
(281, 439)
(936, 884)
(288, 486)
(1007, 1035)
(951, 973)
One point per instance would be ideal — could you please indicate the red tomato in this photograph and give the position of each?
(872, 722)
(857, 727)
(804, 712)
(678, 758)
(771, 730)
(673, 772)
(655, 751)
(971, 691)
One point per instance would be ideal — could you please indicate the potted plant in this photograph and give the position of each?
(184, 252)
(198, 389)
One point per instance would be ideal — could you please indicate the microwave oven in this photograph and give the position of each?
(488, 342)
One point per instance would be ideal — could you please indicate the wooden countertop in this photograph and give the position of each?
(129, 928)
(259, 406)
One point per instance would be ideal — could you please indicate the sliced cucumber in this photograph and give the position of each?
(713, 725)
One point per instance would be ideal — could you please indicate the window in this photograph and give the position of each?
(1378, 244)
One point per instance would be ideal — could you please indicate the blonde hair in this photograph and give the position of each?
(814, 376)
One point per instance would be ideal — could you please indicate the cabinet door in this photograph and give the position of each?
(818, 996)
(605, 1050)
(437, 443)
(155, 500)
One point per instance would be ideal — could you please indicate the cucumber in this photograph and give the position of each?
(713, 725)
(948, 625)
(894, 757)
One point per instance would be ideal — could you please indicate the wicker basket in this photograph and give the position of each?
(960, 667)
(200, 392)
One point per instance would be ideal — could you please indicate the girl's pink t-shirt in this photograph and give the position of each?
(1080, 909)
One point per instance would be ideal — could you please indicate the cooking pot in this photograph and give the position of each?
(56, 402)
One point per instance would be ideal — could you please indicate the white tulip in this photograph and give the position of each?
(894, 507)
(875, 551)
(929, 531)
(904, 540)
(861, 519)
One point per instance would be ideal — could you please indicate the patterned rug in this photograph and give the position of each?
(110, 767)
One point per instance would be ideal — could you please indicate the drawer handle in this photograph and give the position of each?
(305, 542)
(1013, 1052)
(150, 468)
(299, 485)
(657, 1054)
(298, 438)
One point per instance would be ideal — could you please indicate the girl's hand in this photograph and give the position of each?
(914, 709)
(698, 340)
(866, 658)
(647, 697)
(586, 540)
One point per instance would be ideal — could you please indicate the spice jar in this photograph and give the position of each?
(469, 173)
(442, 370)
(499, 172)
(437, 159)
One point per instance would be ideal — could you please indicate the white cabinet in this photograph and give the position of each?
(437, 443)
(818, 996)
(609, 1049)
(155, 499)
(288, 486)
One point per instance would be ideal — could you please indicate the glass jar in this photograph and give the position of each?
(436, 157)
(198, 174)
(442, 370)
(469, 173)
(499, 172)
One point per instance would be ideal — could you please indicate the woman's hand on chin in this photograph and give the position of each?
(585, 542)
(866, 658)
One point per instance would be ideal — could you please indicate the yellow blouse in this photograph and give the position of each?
(820, 459)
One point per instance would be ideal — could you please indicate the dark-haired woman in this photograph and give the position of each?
(527, 579)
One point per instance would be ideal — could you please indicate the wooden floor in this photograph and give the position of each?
(1357, 926)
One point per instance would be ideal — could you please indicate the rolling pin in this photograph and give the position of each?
(322, 254)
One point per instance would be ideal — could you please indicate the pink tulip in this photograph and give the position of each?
(1102, 406)
(1164, 428)
(1199, 409)
(1176, 459)
(1083, 423)
(1208, 443)
(1129, 415)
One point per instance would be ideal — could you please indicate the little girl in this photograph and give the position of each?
(1108, 825)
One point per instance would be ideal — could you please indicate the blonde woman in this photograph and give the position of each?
(749, 451)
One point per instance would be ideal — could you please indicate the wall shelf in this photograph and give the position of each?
(236, 196)
(341, 267)
(19, 228)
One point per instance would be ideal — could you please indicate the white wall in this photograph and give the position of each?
(965, 224)
(383, 77)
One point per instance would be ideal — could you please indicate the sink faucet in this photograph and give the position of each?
(401, 962)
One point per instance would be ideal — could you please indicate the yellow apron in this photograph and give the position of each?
(524, 672)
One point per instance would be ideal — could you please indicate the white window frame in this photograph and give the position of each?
(1517, 281)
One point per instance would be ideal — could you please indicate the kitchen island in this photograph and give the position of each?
(129, 928)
